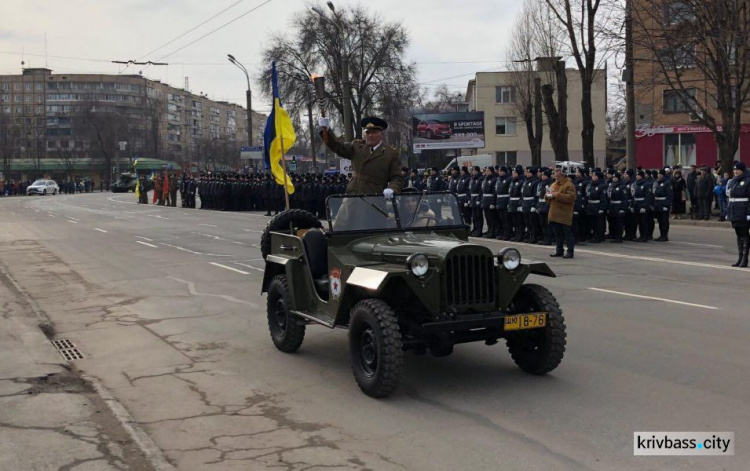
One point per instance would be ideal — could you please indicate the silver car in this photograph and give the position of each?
(43, 187)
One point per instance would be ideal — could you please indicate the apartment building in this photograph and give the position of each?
(153, 119)
(494, 93)
(668, 128)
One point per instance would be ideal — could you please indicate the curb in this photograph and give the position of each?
(690, 222)
(145, 444)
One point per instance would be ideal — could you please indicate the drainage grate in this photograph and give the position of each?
(67, 349)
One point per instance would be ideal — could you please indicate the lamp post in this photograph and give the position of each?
(249, 98)
(344, 72)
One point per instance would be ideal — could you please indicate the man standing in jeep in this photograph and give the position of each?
(376, 167)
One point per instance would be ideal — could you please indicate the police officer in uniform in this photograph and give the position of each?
(619, 203)
(475, 201)
(662, 204)
(596, 205)
(643, 200)
(542, 208)
(502, 195)
(515, 209)
(630, 224)
(738, 211)
(462, 191)
(489, 202)
(581, 230)
(529, 203)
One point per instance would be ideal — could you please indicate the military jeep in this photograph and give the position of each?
(400, 275)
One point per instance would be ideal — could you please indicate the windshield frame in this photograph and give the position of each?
(399, 227)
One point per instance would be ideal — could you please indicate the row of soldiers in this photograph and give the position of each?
(239, 192)
(511, 203)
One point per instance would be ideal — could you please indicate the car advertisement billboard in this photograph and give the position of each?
(448, 130)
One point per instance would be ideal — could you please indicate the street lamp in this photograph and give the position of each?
(249, 97)
(344, 61)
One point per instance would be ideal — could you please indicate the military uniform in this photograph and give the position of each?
(662, 204)
(619, 202)
(528, 204)
(542, 209)
(475, 201)
(462, 192)
(515, 209)
(596, 206)
(643, 201)
(502, 198)
(489, 201)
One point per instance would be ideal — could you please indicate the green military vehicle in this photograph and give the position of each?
(125, 183)
(402, 275)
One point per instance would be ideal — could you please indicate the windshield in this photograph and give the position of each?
(405, 212)
(39, 183)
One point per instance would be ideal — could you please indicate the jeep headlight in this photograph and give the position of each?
(509, 258)
(418, 264)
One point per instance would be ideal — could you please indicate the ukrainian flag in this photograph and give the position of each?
(279, 130)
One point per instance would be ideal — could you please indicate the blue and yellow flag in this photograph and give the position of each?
(278, 137)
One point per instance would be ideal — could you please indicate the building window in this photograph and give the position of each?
(678, 101)
(678, 12)
(27, 87)
(29, 98)
(678, 57)
(39, 86)
(17, 86)
(6, 86)
(6, 109)
(505, 94)
(505, 126)
(39, 110)
(508, 158)
(19, 110)
(5, 97)
(679, 149)
(17, 98)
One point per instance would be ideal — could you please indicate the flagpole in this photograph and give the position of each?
(283, 165)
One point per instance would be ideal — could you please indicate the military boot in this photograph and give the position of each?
(745, 251)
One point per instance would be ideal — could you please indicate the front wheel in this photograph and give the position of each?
(538, 351)
(375, 347)
(44, 192)
(287, 330)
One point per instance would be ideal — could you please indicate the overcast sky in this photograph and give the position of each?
(450, 39)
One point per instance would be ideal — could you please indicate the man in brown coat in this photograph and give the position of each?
(562, 197)
(376, 166)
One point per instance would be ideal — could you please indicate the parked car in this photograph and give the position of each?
(43, 187)
(432, 129)
(402, 275)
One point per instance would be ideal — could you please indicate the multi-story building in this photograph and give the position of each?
(505, 133)
(154, 119)
(669, 130)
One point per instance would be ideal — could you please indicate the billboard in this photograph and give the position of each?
(448, 130)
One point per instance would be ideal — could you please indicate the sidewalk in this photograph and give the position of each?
(50, 418)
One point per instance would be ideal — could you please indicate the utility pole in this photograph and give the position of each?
(628, 77)
(248, 97)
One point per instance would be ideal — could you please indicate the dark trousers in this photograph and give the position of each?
(544, 231)
(173, 198)
(506, 229)
(616, 222)
(641, 220)
(596, 222)
(477, 220)
(704, 207)
(651, 218)
(663, 218)
(532, 224)
(466, 214)
(630, 225)
(518, 225)
(563, 233)
(581, 228)
(490, 215)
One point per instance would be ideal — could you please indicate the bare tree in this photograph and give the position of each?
(525, 79)
(586, 24)
(699, 49)
(68, 158)
(374, 49)
(103, 129)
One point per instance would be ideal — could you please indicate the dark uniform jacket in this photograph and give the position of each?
(516, 189)
(738, 192)
(542, 205)
(596, 197)
(580, 205)
(529, 194)
(488, 192)
(643, 197)
(502, 191)
(662, 195)
(618, 198)
(462, 190)
(435, 183)
(372, 171)
(475, 191)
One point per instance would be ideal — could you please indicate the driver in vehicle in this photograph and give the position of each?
(414, 213)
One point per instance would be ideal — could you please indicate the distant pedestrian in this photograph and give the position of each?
(561, 196)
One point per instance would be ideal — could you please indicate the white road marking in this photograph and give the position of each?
(145, 238)
(664, 300)
(252, 230)
(197, 253)
(209, 225)
(36, 210)
(75, 219)
(124, 219)
(251, 267)
(51, 215)
(146, 243)
(229, 268)
(699, 245)
(72, 222)
(100, 230)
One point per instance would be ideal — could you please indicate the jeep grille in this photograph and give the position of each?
(470, 279)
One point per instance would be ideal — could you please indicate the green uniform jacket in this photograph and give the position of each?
(372, 171)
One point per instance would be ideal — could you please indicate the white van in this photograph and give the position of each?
(482, 160)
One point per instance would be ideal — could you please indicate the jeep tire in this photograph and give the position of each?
(287, 330)
(376, 348)
(297, 218)
(538, 351)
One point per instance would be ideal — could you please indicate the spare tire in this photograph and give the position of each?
(297, 218)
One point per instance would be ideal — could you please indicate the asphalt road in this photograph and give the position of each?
(165, 304)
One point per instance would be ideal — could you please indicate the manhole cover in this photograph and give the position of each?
(67, 349)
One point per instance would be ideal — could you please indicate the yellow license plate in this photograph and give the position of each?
(533, 320)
